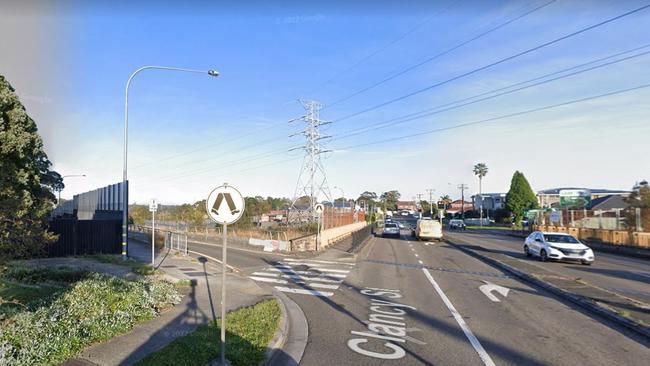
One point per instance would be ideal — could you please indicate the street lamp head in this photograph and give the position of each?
(214, 73)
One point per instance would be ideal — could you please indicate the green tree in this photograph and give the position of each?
(26, 181)
(520, 197)
(389, 199)
(138, 214)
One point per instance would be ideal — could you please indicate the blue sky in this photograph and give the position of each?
(189, 132)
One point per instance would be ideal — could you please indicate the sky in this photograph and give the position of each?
(367, 63)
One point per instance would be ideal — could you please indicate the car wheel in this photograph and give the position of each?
(586, 263)
(543, 256)
(528, 253)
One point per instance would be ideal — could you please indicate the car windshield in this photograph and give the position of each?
(567, 239)
(391, 226)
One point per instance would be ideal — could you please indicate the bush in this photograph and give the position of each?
(94, 309)
(34, 275)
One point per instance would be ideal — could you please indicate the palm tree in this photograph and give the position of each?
(480, 170)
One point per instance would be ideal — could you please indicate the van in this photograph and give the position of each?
(428, 229)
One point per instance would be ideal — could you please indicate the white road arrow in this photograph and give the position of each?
(489, 287)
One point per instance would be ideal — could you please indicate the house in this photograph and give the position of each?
(458, 206)
(491, 201)
(550, 198)
(610, 202)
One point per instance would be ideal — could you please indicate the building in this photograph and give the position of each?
(551, 197)
(610, 202)
(491, 201)
(458, 206)
(406, 205)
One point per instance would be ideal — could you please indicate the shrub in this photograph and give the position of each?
(34, 275)
(94, 309)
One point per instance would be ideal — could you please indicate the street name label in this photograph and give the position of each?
(386, 326)
(225, 205)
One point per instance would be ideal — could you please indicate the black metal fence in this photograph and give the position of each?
(80, 237)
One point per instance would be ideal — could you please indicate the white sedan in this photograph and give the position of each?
(557, 246)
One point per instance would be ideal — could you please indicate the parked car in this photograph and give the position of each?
(391, 229)
(456, 224)
(428, 229)
(557, 246)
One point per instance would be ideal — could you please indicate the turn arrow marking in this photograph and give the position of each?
(489, 287)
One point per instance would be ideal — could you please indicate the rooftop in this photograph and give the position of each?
(554, 191)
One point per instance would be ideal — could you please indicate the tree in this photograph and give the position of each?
(446, 200)
(480, 170)
(638, 199)
(26, 181)
(520, 197)
(389, 199)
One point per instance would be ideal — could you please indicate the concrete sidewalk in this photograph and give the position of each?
(200, 305)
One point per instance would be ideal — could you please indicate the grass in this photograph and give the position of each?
(137, 267)
(48, 315)
(248, 332)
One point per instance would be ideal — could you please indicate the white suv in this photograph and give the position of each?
(557, 246)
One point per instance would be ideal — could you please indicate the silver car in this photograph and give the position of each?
(391, 229)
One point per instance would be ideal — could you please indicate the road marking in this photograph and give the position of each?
(420, 261)
(304, 292)
(461, 322)
(489, 287)
(416, 254)
(317, 261)
(319, 268)
(232, 247)
(289, 271)
(272, 280)
(235, 269)
(265, 274)
(319, 279)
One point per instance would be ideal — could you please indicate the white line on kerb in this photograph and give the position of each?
(459, 319)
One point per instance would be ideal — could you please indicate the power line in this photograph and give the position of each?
(621, 91)
(474, 71)
(440, 54)
(455, 104)
(389, 44)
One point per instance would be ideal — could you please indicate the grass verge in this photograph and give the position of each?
(248, 331)
(49, 315)
(137, 267)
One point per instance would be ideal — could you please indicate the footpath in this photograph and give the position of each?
(627, 312)
(200, 305)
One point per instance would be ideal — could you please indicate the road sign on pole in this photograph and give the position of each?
(153, 207)
(225, 205)
(319, 208)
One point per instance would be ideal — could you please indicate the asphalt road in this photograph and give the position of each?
(428, 284)
(624, 275)
(433, 311)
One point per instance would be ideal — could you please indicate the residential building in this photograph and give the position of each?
(458, 206)
(491, 201)
(551, 197)
(406, 205)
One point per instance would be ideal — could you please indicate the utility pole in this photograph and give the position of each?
(431, 190)
(462, 188)
(312, 180)
(419, 203)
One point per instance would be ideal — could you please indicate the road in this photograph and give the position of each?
(624, 275)
(431, 310)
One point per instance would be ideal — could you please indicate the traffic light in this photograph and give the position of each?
(441, 205)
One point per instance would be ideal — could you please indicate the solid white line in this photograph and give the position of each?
(416, 254)
(304, 292)
(265, 274)
(461, 322)
(216, 260)
(284, 270)
(232, 247)
(321, 285)
(302, 278)
(288, 266)
(419, 261)
(264, 279)
(316, 261)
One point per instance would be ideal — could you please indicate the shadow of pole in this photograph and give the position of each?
(203, 261)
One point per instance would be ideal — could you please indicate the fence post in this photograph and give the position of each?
(618, 219)
(638, 219)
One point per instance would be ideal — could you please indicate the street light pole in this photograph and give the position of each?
(125, 191)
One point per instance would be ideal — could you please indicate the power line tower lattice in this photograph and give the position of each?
(312, 180)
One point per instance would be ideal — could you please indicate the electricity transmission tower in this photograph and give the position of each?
(312, 180)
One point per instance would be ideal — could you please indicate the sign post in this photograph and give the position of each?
(225, 205)
(153, 207)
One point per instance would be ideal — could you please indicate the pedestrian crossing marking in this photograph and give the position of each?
(304, 277)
